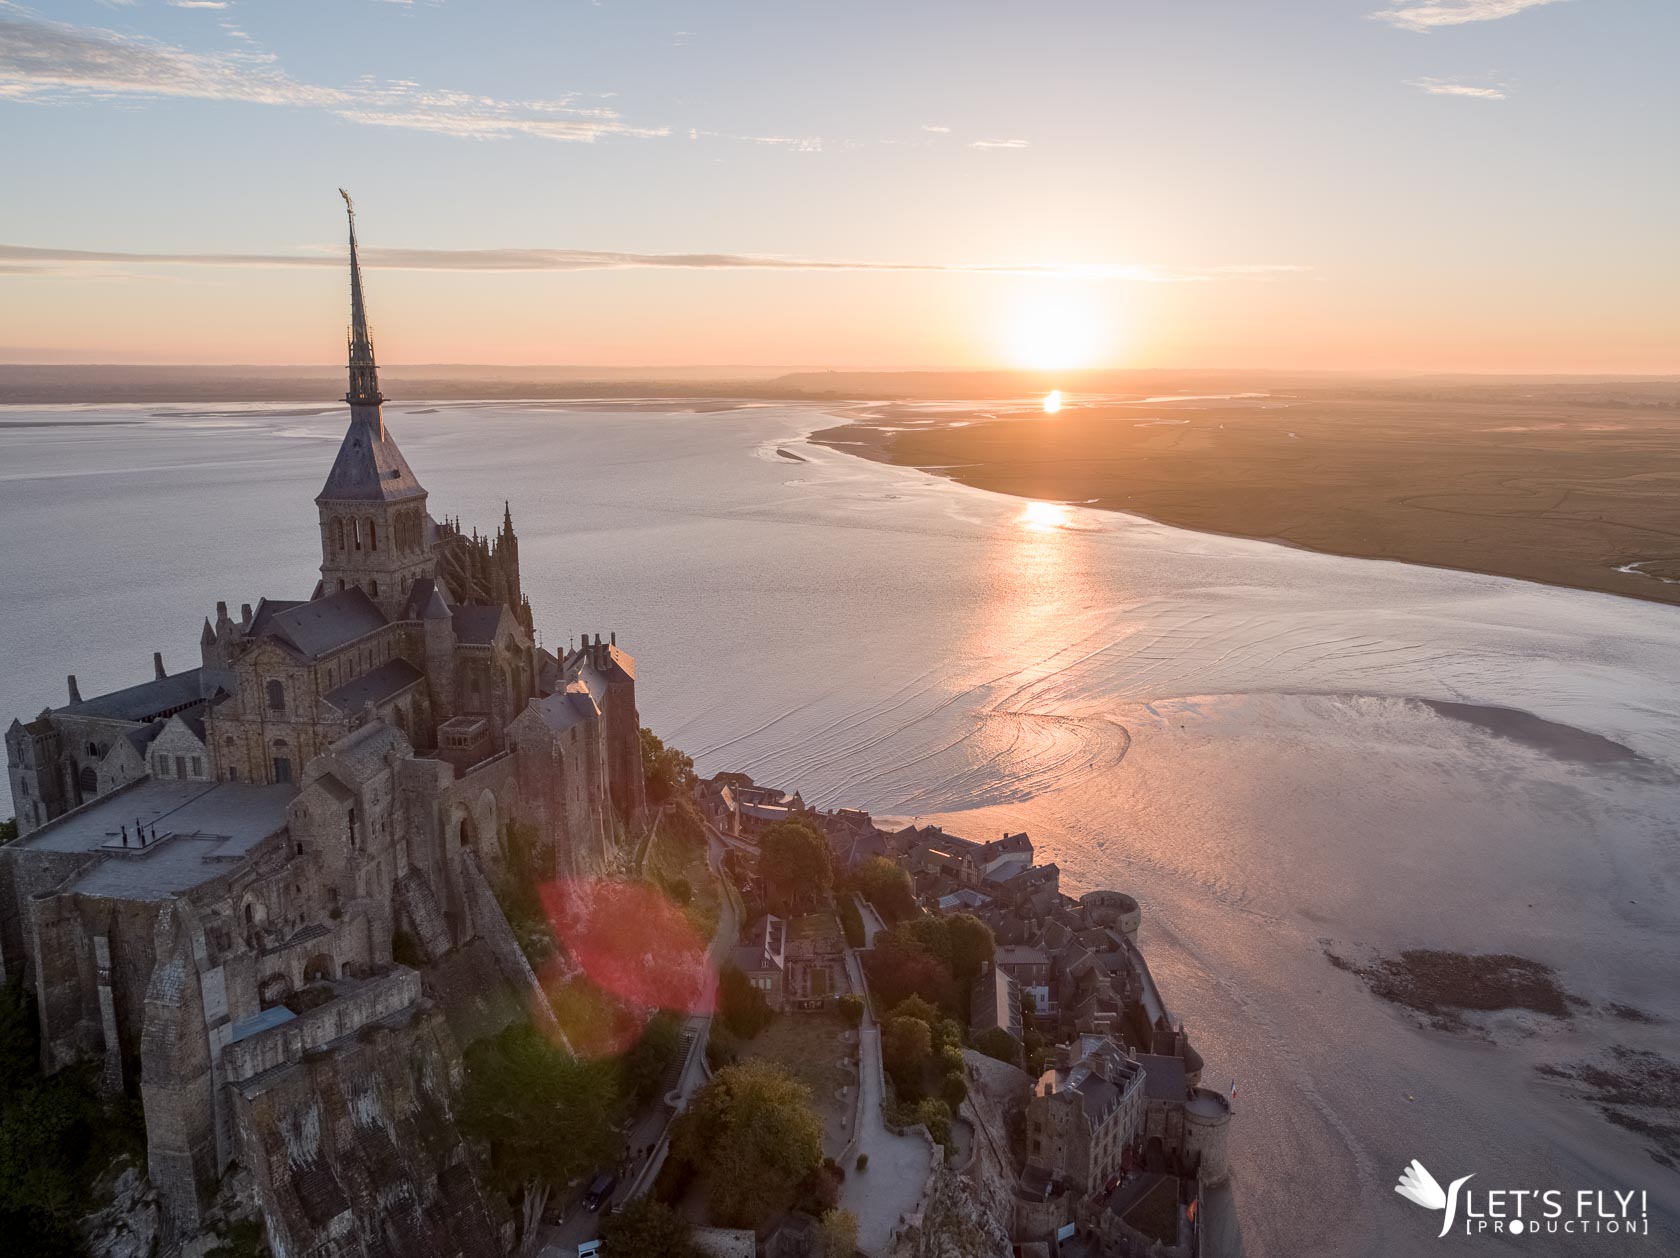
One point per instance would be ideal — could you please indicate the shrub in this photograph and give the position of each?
(935, 1115)
(851, 1009)
(863, 1161)
(953, 1090)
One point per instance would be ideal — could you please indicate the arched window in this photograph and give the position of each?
(88, 780)
(277, 696)
(373, 536)
(356, 533)
(338, 532)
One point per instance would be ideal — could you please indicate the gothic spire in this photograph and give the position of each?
(364, 375)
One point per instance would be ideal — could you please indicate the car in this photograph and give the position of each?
(600, 1188)
(589, 1249)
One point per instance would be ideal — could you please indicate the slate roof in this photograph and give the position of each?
(315, 628)
(369, 467)
(995, 1001)
(1163, 1077)
(572, 706)
(375, 686)
(427, 600)
(145, 702)
(475, 624)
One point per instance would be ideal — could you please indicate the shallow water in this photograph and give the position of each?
(1230, 729)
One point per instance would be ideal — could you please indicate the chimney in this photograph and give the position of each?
(221, 610)
(75, 692)
(615, 637)
(157, 665)
(245, 615)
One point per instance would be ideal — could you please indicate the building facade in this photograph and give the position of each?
(231, 881)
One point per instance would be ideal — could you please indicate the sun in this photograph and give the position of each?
(1053, 401)
(1056, 331)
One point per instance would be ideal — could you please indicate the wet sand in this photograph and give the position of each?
(1551, 490)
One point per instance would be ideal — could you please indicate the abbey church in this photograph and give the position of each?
(260, 893)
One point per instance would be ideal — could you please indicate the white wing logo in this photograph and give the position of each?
(1417, 1184)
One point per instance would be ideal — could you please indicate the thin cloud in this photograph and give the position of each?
(28, 258)
(49, 62)
(197, 4)
(997, 144)
(1426, 17)
(1442, 87)
(928, 126)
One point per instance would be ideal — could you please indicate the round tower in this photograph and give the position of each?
(1114, 909)
(1207, 1124)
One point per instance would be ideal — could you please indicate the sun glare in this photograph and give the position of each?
(1052, 401)
(1057, 331)
(1043, 517)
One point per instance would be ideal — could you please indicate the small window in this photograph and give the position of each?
(373, 587)
(233, 774)
(276, 696)
(338, 532)
(180, 766)
(160, 766)
(373, 536)
(197, 767)
(282, 770)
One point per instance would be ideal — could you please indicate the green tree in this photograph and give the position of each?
(916, 1007)
(899, 966)
(8, 830)
(887, 887)
(972, 946)
(851, 1009)
(851, 922)
(742, 1006)
(666, 772)
(839, 1231)
(751, 1130)
(647, 1229)
(998, 1043)
(643, 1067)
(548, 1116)
(906, 1051)
(794, 861)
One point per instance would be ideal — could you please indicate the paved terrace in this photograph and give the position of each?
(201, 829)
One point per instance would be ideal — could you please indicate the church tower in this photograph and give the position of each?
(373, 510)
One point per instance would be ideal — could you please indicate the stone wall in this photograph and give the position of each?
(357, 1151)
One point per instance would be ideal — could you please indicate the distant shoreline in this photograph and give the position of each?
(1585, 504)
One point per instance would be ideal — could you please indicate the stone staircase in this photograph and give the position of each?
(422, 914)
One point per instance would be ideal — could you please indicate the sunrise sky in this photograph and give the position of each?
(1464, 185)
